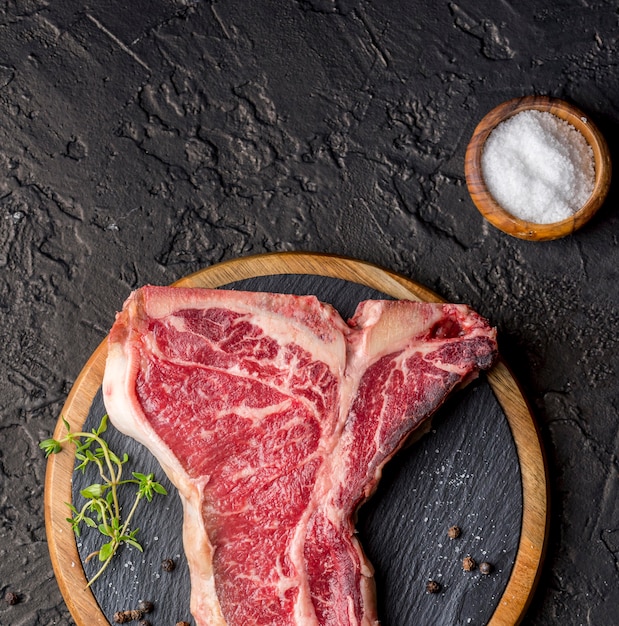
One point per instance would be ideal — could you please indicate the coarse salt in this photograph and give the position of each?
(538, 167)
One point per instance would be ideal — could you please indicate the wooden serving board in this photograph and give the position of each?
(485, 472)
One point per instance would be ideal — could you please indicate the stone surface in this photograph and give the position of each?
(142, 141)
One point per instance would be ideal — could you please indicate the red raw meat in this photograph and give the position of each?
(274, 418)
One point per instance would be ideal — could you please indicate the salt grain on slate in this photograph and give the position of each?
(538, 167)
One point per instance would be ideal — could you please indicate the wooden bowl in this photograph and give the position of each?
(496, 214)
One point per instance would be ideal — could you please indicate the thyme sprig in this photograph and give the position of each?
(102, 509)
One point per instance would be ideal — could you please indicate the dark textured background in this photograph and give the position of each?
(141, 141)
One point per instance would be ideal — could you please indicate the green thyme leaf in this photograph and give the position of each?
(102, 499)
(106, 551)
(92, 491)
(50, 446)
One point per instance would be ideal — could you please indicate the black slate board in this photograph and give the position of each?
(465, 471)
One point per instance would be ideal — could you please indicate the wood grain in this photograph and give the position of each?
(519, 590)
(504, 220)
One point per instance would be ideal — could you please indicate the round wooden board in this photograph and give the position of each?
(526, 570)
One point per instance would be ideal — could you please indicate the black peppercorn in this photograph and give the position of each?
(468, 564)
(485, 568)
(168, 565)
(123, 617)
(144, 622)
(454, 532)
(433, 586)
(146, 606)
(11, 598)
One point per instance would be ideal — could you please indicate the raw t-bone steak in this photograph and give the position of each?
(273, 418)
